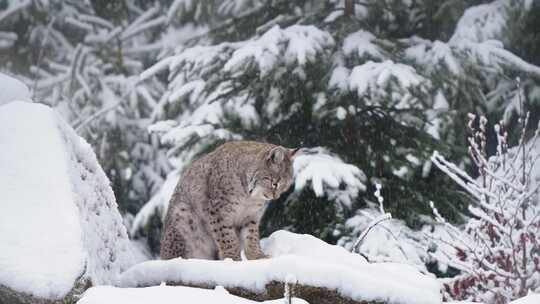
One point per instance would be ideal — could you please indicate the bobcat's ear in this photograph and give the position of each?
(276, 155)
(293, 153)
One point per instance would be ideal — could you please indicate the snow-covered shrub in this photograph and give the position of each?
(388, 241)
(373, 233)
(498, 250)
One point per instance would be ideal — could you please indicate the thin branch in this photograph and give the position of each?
(375, 222)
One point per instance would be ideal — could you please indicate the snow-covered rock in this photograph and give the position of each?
(12, 89)
(60, 228)
(166, 295)
(310, 261)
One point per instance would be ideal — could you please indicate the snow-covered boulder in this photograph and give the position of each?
(12, 89)
(323, 274)
(60, 228)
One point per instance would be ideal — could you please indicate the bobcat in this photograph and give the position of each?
(217, 205)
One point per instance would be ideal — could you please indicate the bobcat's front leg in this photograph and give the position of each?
(250, 239)
(225, 236)
(228, 243)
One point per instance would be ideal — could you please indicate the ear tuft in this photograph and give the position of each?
(276, 155)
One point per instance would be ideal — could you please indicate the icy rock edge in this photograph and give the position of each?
(60, 225)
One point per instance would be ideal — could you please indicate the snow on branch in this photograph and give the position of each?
(361, 44)
(328, 175)
(375, 75)
(297, 43)
(482, 22)
(383, 217)
(385, 83)
(431, 55)
(7, 39)
(492, 53)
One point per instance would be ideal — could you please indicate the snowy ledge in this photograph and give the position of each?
(167, 295)
(324, 274)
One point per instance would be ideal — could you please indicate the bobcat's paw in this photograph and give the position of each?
(256, 255)
(233, 257)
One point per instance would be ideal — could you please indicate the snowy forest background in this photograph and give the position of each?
(372, 88)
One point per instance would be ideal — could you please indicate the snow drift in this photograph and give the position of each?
(59, 224)
(310, 261)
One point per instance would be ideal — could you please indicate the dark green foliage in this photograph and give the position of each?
(152, 231)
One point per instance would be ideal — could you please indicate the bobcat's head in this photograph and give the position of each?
(274, 174)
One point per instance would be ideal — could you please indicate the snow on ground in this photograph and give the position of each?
(12, 89)
(283, 243)
(166, 295)
(59, 218)
(311, 261)
(533, 298)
